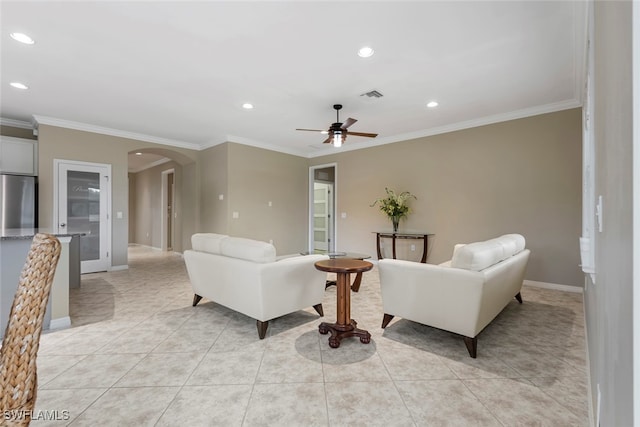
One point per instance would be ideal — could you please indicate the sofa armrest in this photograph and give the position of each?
(291, 284)
(443, 297)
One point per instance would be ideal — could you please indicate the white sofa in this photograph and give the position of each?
(462, 295)
(246, 276)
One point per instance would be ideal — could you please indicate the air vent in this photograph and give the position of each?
(373, 94)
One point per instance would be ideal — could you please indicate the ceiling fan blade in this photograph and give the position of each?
(328, 140)
(312, 130)
(368, 135)
(348, 123)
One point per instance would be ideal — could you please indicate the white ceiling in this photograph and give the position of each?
(177, 73)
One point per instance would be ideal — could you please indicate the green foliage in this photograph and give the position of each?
(394, 205)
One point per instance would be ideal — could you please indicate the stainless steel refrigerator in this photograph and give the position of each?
(18, 201)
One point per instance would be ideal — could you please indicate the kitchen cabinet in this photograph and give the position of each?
(18, 156)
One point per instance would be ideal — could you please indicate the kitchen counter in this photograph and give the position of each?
(14, 247)
(28, 233)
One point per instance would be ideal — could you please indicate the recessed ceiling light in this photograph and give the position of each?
(22, 38)
(19, 85)
(365, 52)
(247, 106)
(432, 104)
(138, 154)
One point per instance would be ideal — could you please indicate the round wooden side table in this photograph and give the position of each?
(344, 326)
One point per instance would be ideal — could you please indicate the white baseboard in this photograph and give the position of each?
(554, 286)
(60, 323)
(119, 267)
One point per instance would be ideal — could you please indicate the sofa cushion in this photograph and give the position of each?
(480, 255)
(251, 250)
(512, 243)
(207, 242)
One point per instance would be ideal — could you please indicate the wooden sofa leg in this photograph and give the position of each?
(472, 345)
(262, 328)
(519, 297)
(196, 299)
(318, 308)
(386, 319)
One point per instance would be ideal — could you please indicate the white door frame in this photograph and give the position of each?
(163, 218)
(57, 163)
(635, 31)
(312, 177)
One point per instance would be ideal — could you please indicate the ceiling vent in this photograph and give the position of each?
(373, 94)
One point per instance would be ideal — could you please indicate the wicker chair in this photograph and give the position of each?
(18, 381)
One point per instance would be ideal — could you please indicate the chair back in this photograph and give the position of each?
(18, 378)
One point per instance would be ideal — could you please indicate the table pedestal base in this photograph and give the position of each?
(343, 331)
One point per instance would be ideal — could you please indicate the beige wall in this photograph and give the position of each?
(214, 212)
(147, 203)
(257, 177)
(250, 178)
(521, 176)
(69, 144)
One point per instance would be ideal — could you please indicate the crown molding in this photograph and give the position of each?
(265, 146)
(16, 123)
(483, 121)
(68, 124)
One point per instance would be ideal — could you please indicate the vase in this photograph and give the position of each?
(395, 220)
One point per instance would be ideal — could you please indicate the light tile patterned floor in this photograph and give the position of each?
(138, 354)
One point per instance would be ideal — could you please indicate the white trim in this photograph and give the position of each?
(310, 204)
(588, 359)
(482, 121)
(635, 108)
(52, 121)
(15, 123)
(119, 267)
(260, 144)
(60, 323)
(57, 163)
(554, 286)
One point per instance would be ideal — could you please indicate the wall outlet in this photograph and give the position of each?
(343, 215)
(271, 241)
(236, 215)
(413, 247)
(270, 204)
(221, 197)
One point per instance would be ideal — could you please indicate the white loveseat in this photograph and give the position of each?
(462, 295)
(245, 276)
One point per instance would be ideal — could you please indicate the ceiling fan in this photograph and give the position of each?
(338, 131)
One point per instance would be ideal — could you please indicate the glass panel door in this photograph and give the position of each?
(83, 209)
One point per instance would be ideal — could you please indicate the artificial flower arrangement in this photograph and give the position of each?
(394, 205)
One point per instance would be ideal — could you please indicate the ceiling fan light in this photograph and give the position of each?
(247, 106)
(365, 52)
(337, 139)
(19, 85)
(22, 38)
(432, 104)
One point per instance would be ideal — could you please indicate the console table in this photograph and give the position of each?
(393, 236)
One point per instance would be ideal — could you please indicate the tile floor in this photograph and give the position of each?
(138, 354)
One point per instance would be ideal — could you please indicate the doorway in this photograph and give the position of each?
(82, 205)
(169, 210)
(322, 208)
